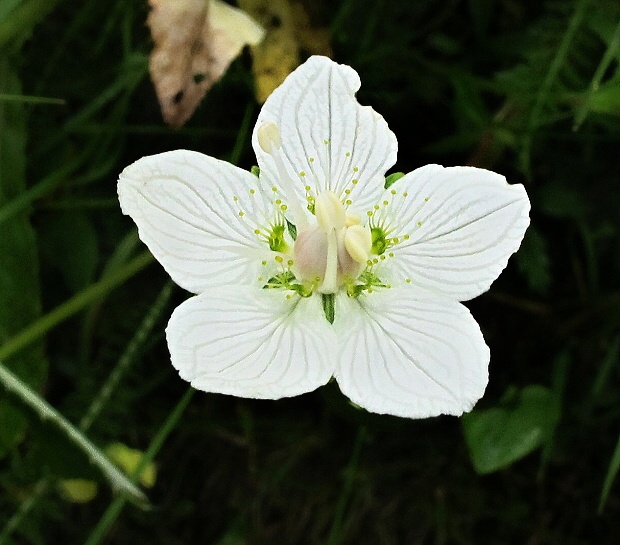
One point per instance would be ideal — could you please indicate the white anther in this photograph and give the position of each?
(358, 242)
(329, 211)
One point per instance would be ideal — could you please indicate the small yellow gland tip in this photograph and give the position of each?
(268, 136)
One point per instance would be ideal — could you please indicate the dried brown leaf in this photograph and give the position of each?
(194, 43)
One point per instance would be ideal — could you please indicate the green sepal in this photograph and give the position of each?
(394, 177)
(292, 229)
(329, 306)
(255, 170)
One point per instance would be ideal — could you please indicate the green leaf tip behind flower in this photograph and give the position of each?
(392, 178)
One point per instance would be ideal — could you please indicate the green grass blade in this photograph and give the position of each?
(19, 260)
(114, 509)
(551, 77)
(117, 479)
(608, 57)
(74, 305)
(25, 199)
(612, 471)
(128, 356)
(97, 404)
(335, 534)
(38, 492)
(24, 99)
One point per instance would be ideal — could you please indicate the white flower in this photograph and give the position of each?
(313, 270)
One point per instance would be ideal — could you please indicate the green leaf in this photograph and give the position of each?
(500, 436)
(19, 276)
(6, 7)
(20, 18)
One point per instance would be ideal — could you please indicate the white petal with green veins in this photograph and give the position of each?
(455, 228)
(328, 139)
(252, 343)
(198, 217)
(410, 357)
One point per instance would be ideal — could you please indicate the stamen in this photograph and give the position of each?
(329, 211)
(358, 242)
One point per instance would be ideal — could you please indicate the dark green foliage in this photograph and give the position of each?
(528, 89)
(20, 301)
(522, 422)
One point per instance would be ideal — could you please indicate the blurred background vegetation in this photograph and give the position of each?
(528, 89)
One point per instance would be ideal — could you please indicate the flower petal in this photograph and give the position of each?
(250, 342)
(410, 357)
(187, 207)
(457, 228)
(328, 138)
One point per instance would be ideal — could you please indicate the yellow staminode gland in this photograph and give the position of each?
(269, 138)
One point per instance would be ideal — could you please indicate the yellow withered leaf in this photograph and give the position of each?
(77, 490)
(194, 43)
(289, 34)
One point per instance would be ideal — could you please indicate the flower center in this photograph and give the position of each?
(329, 253)
(333, 250)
